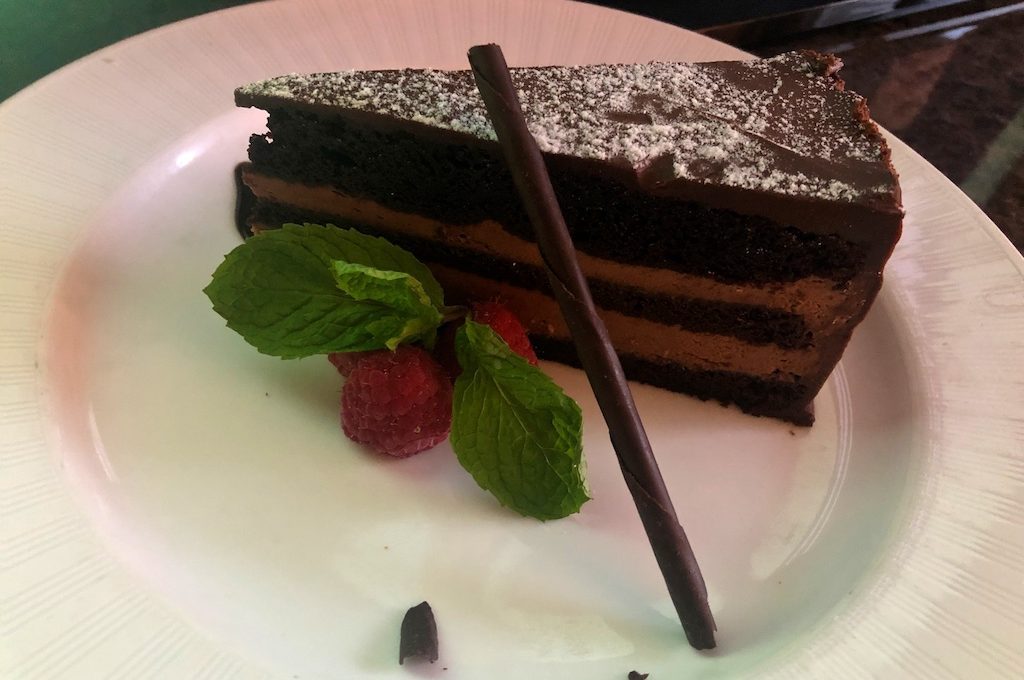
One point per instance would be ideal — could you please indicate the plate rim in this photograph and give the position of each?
(35, 96)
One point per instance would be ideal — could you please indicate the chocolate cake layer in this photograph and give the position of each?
(761, 380)
(459, 184)
(752, 323)
(776, 380)
(281, 201)
(688, 357)
(632, 335)
(757, 396)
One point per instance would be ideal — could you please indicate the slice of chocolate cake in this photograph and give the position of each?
(733, 218)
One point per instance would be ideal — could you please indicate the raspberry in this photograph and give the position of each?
(398, 403)
(346, 361)
(505, 323)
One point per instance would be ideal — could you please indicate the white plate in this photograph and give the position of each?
(176, 505)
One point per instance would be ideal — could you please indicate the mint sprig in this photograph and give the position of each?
(406, 310)
(311, 289)
(514, 430)
(280, 291)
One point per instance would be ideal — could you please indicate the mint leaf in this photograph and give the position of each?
(349, 245)
(406, 311)
(514, 429)
(279, 291)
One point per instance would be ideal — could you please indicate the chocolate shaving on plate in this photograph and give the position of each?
(633, 450)
(419, 635)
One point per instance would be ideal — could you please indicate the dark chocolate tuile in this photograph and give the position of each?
(639, 468)
(419, 635)
(635, 675)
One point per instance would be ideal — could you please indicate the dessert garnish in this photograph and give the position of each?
(419, 635)
(375, 310)
(397, 403)
(633, 450)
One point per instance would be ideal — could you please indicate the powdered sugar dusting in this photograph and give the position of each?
(779, 125)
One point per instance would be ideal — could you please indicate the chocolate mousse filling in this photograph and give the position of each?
(470, 251)
(675, 357)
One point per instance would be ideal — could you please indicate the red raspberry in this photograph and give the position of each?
(346, 361)
(500, 318)
(398, 403)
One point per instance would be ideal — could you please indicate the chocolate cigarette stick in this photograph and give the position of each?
(633, 450)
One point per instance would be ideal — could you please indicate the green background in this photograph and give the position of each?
(40, 36)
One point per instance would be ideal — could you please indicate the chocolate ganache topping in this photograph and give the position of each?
(782, 126)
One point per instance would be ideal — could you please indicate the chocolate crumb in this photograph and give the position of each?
(634, 675)
(419, 635)
(245, 201)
